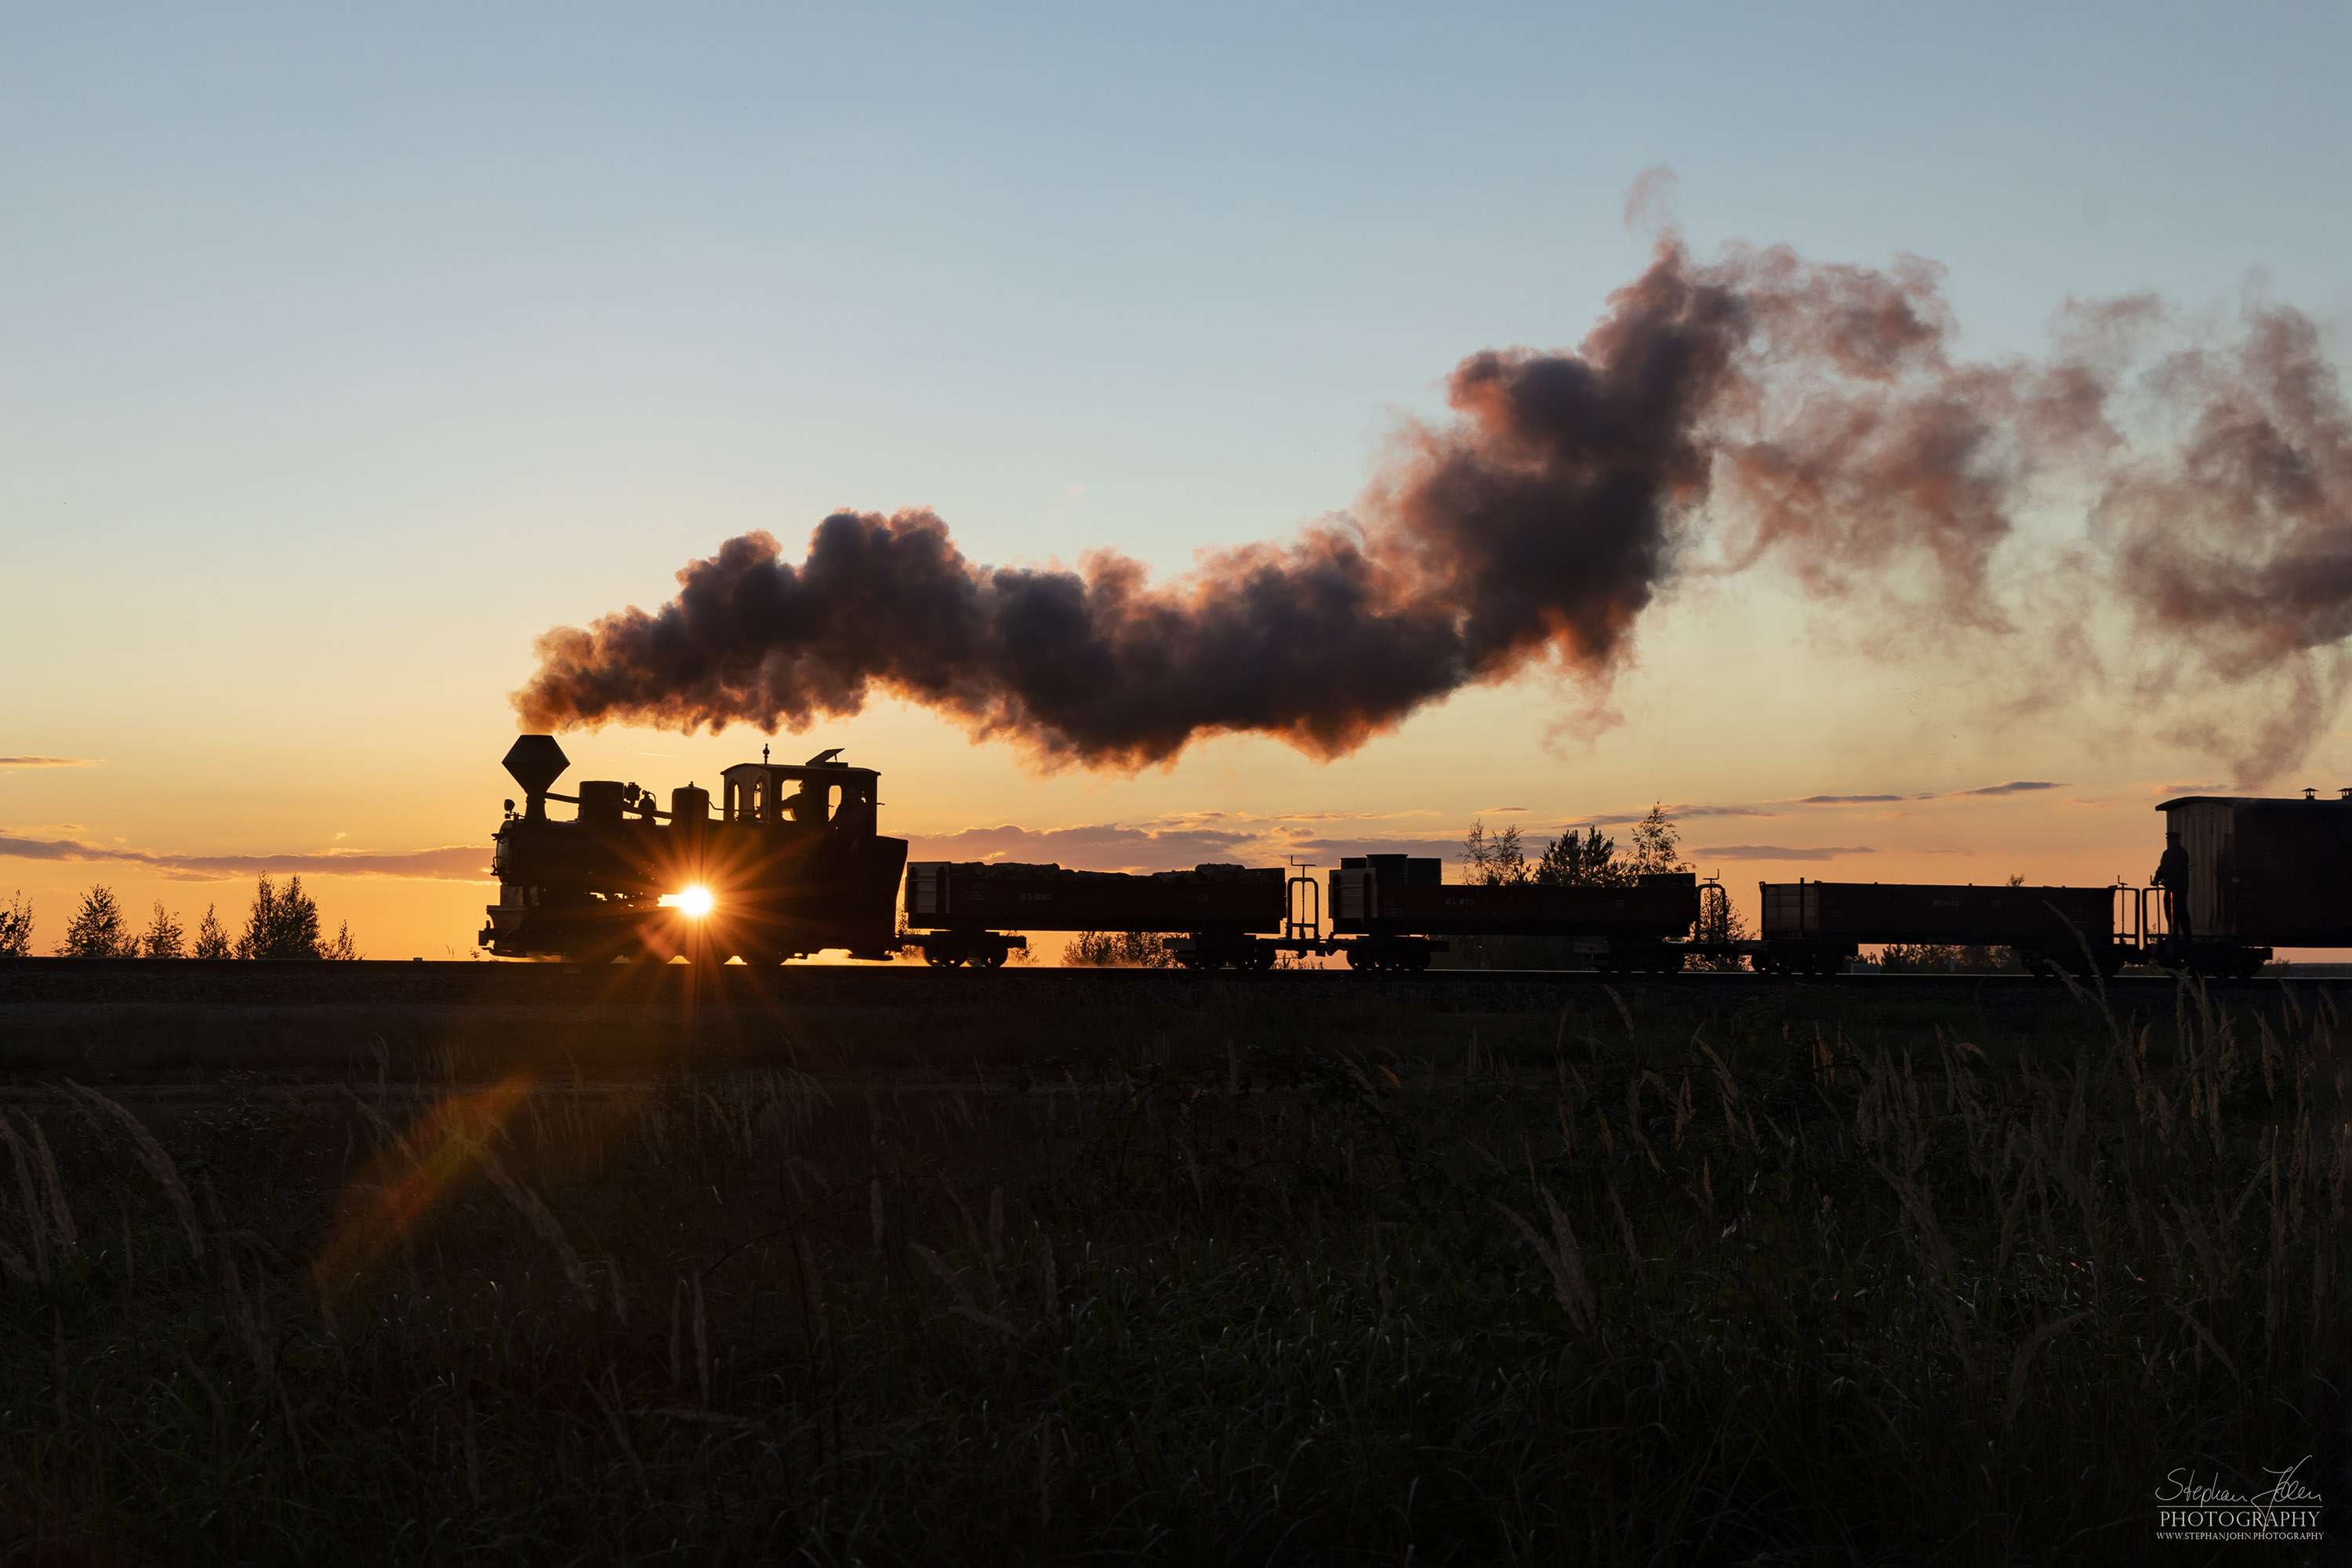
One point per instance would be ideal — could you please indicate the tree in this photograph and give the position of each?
(211, 940)
(16, 927)
(164, 937)
(96, 930)
(1493, 859)
(1586, 862)
(282, 923)
(1656, 847)
(341, 948)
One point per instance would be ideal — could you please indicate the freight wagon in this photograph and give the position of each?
(1395, 908)
(1814, 928)
(964, 911)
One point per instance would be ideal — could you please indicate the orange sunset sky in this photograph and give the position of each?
(343, 355)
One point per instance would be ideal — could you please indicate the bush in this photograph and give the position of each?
(1119, 950)
(1943, 958)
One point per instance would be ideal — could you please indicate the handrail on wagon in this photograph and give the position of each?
(1720, 927)
(2142, 921)
(1294, 928)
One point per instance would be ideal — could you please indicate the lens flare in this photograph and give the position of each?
(694, 903)
(413, 1172)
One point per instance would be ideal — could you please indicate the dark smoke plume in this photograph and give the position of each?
(1755, 408)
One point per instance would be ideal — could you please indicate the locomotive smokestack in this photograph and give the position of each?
(1759, 407)
(536, 761)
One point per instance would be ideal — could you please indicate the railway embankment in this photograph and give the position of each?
(126, 1019)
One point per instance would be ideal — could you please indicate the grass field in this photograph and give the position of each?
(1650, 1277)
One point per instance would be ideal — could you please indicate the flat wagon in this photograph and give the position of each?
(964, 911)
(1815, 926)
(1397, 909)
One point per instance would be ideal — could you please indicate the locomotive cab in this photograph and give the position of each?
(793, 864)
(818, 795)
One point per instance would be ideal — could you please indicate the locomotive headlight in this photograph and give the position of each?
(694, 902)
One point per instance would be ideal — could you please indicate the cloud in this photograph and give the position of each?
(1778, 852)
(1114, 847)
(1674, 813)
(1329, 851)
(452, 863)
(2015, 786)
(49, 761)
(1102, 848)
(1851, 799)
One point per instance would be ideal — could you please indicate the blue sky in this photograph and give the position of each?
(341, 351)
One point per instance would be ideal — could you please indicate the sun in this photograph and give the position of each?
(694, 902)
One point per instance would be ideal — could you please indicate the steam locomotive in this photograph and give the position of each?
(795, 863)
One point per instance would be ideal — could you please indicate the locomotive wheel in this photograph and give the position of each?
(992, 959)
(1262, 959)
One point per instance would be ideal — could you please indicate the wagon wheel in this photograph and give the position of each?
(993, 958)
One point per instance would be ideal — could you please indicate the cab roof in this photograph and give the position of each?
(841, 771)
